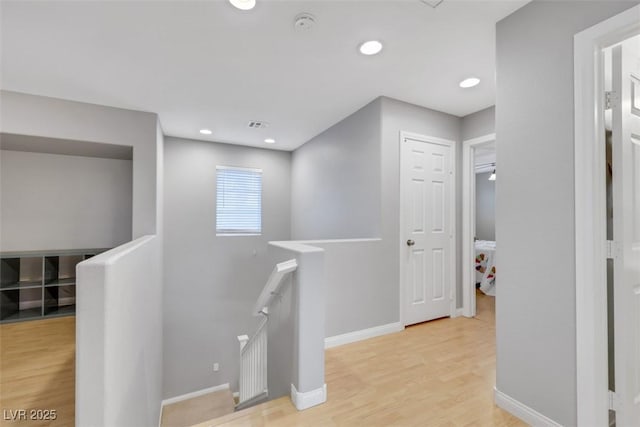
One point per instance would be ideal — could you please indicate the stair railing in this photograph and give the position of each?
(253, 366)
(253, 351)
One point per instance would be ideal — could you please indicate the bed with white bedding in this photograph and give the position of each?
(485, 266)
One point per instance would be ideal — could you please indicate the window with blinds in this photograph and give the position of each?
(238, 201)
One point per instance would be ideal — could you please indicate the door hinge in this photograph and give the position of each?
(613, 249)
(613, 401)
(609, 97)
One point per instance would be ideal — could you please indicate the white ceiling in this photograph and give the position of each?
(205, 64)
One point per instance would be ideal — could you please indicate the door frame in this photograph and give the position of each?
(590, 217)
(452, 218)
(469, 221)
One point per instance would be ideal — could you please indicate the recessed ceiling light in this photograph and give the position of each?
(270, 141)
(371, 47)
(243, 4)
(205, 131)
(470, 82)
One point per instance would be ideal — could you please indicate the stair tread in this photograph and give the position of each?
(198, 409)
(272, 405)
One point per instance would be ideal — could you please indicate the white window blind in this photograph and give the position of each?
(239, 200)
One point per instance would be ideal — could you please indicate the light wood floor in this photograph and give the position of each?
(37, 370)
(439, 373)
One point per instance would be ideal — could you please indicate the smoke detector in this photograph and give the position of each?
(432, 3)
(258, 124)
(304, 22)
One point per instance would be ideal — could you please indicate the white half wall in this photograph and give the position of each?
(119, 337)
(358, 287)
(309, 284)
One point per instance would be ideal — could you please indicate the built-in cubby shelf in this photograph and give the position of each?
(39, 284)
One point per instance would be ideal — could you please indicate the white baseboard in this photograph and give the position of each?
(308, 399)
(459, 312)
(363, 334)
(195, 394)
(522, 411)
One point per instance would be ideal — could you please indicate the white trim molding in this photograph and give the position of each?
(522, 411)
(469, 222)
(308, 399)
(193, 394)
(363, 334)
(590, 219)
(452, 219)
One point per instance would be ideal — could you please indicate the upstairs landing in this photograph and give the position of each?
(438, 373)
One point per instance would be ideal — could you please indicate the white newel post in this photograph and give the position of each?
(243, 341)
(309, 388)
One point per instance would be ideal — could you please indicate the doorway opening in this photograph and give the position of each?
(479, 174)
(622, 166)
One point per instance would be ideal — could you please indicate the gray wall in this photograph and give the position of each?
(399, 116)
(358, 291)
(50, 201)
(478, 124)
(39, 116)
(536, 330)
(485, 207)
(211, 283)
(355, 170)
(336, 180)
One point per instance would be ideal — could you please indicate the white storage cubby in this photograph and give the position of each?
(39, 284)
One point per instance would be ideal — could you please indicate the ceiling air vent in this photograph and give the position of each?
(432, 3)
(257, 124)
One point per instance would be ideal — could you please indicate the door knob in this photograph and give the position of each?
(410, 242)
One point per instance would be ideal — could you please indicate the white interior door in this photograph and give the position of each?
(427, 229)
(626, 230)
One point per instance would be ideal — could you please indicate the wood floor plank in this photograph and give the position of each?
(198, 409)
(37, 371)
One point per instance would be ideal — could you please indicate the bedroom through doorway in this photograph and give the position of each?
(478, 231)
